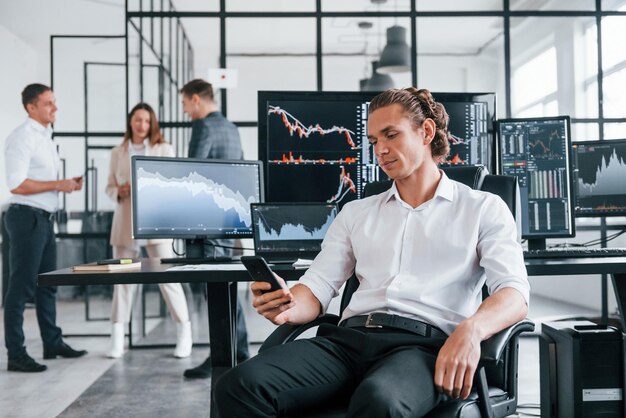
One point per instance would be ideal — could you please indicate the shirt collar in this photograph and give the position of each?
(445, 189)
(39, 127)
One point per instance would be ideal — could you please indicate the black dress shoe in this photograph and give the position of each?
(202, 371)
(63, 350)
(25, 364)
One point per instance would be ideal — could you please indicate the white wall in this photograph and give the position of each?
(25, 30)
(21, 64)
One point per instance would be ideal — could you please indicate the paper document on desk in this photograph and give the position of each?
(212, 267)
(301, 262)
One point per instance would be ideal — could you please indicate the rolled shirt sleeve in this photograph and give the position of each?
(500, 252)
(334, 264)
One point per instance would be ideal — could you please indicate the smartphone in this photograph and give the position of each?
(260, 271)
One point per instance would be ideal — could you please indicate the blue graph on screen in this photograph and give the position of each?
(191, 201)
(290, 231)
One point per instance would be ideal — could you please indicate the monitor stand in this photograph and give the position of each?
(194, 254)
(536, 244)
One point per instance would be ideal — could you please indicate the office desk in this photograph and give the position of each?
(221, 297)
(613, 266)
(222, 291)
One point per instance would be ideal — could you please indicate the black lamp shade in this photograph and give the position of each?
(396, 57)
(378, 82)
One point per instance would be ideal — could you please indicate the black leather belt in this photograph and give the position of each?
(44, 213)
(383, 320)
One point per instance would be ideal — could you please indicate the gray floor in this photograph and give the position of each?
(150, 381)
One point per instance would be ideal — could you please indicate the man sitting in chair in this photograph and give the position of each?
(422, 252)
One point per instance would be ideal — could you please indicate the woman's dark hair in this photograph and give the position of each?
(31, 93)
(418, 106)
(154, 133)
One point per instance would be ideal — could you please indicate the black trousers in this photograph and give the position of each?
(378, 372)
(32, 251)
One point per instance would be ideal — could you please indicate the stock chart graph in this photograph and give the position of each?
(327, 131)
(469, 140)
(536, 152)
(195, 199)
(547, 143)
(313, 183)
(293, 125)
(315, 150)
(294, 222)
(600, 173)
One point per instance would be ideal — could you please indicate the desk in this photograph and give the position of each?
(613, 266)
(221, 298)
(222, 291)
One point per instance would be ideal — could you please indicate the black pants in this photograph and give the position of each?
(382, 373)
(32, 251)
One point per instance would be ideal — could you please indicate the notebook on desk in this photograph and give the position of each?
(285, 232)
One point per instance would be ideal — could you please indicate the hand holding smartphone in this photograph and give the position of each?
(260, 271)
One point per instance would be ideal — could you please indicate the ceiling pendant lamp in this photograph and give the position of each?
(378, 82)
(396, 57)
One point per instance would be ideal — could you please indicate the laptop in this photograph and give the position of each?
(285, 232)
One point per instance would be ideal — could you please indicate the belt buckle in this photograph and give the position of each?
(368, 322)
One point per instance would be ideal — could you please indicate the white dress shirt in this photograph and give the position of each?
(31, 154)
(429, 263)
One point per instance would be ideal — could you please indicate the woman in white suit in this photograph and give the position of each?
(142, 137)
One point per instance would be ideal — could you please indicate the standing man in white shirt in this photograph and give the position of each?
(422, 252)
(32, 166)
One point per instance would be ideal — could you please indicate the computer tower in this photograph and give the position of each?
(581, 370)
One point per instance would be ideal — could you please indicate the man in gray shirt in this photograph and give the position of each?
(214, 137)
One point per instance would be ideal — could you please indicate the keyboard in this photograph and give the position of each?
(575, 252)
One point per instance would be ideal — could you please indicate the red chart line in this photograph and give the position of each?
(305, 131)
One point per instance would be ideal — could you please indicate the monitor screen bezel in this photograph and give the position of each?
(570, 171)
(595, 213)
(183, 160)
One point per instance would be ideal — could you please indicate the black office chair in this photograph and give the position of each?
(494, 394)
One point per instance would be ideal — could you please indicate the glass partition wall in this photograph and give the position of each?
(541, 57)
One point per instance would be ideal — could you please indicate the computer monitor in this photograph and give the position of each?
(600, 177)
(288, 231)
(471, 126)
(314, 144)
(194, 199)
(537, 151)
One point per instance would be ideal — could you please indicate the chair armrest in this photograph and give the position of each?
(492, 348)
(289, 332)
